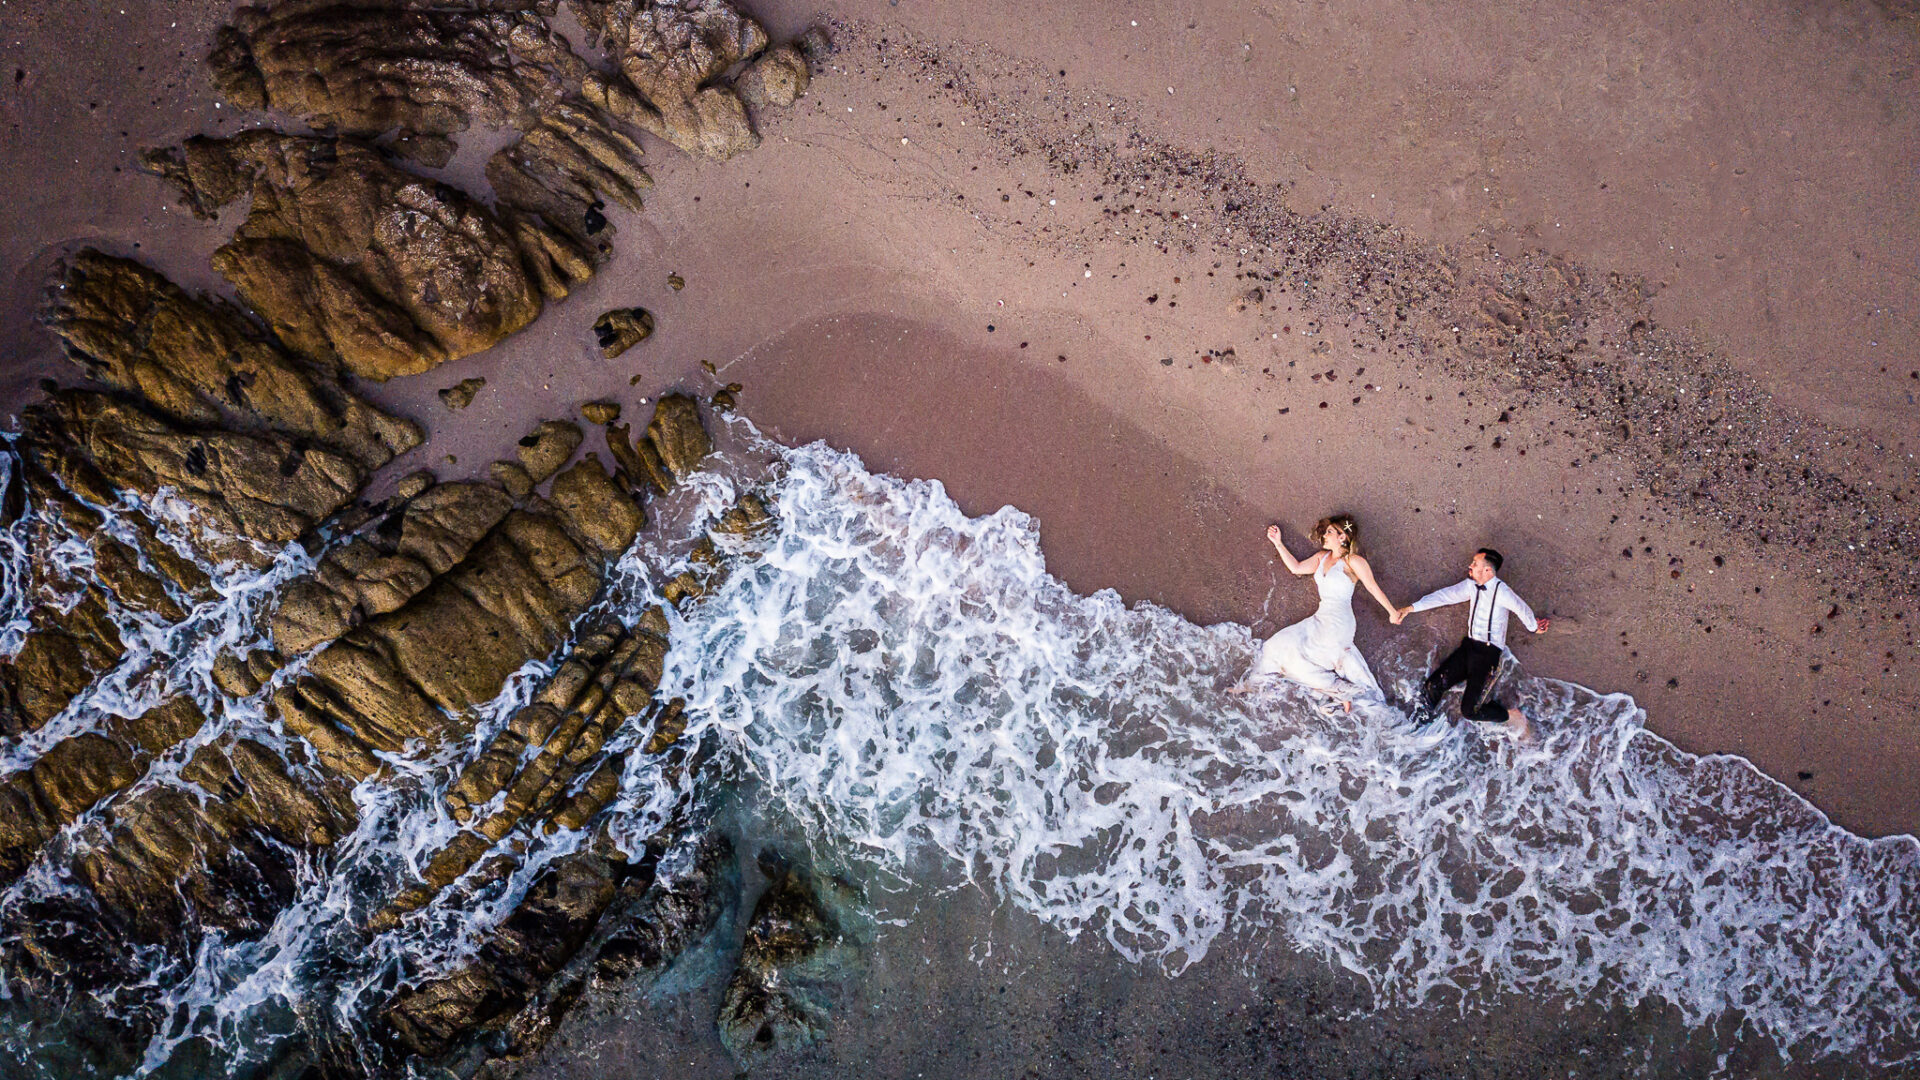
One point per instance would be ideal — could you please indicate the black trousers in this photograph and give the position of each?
(1473, 663)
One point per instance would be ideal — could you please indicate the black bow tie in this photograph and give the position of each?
(1479, 588)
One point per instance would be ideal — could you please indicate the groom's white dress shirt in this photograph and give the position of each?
(1487, 618)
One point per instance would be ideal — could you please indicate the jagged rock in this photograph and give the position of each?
(562, 168)
(621, 329)
(628, 464)
(598, 508)
(351, 260)
(748, 516)
(724, 399)
(794, 954)
(413, 483)
(165, 864)
(677, 434)
(777, 78)
(249, 493)
(417, 671)
(385, 566)
(656, 920)
(428, 70)
(226, 862)
(201, 362)
(601, 412)
(513, 477)
(75, 774)
(549, 447)
(243, 676)
(670, 52)
(62, 654)
(460, 394)
(557, 264)
(558, 914)
(667, 730)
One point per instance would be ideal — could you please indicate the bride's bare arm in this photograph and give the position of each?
(1364, 571)
(1297, 566)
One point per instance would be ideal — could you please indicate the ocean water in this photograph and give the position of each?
(907, 690)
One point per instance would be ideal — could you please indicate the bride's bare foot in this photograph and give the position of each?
(1519, 727)
(1346, 705)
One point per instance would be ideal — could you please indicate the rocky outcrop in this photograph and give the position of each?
(73, 775)
(201, 362)
(569, 161)
(531, 771)
(424, 71)
(671, 56)
(386, 564)
(355, 262)
(253, 446)
(674, 445)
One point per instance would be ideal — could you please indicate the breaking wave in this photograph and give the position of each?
(913, 684)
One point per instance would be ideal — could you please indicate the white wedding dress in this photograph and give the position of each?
(1318, 651)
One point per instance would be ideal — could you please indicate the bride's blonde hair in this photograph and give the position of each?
(1349, 532)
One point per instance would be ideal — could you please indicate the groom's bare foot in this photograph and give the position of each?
(1519, 727)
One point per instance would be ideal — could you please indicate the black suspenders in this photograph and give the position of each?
(1493, 608)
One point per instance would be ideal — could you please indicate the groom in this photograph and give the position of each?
(1479, 653)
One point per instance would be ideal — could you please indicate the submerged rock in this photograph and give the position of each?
(353, 261)
(795, 955)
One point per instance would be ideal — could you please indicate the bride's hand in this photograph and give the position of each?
(1273, 533)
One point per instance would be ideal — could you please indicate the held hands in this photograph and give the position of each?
(1400, 615)
(1541, 626)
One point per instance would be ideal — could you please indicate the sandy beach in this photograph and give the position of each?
(1015, 250)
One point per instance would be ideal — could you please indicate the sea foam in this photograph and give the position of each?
(913, 685)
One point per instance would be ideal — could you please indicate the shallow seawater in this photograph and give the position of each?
(1041, 782)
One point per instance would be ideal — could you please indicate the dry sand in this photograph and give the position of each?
(971, 252)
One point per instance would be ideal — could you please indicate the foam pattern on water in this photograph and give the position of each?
(912, 684)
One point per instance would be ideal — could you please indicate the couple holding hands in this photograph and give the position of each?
(1318, 652)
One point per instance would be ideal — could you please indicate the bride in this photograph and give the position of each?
(1318, 652)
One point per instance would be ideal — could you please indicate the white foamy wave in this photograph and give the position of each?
(912, 684)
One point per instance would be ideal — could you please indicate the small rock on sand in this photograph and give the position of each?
(549, 447)
(621, 329)
(460, 395)
(601, 412)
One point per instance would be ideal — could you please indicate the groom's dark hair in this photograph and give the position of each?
(1493, 558)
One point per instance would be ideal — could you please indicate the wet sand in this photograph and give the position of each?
(1735, 181)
